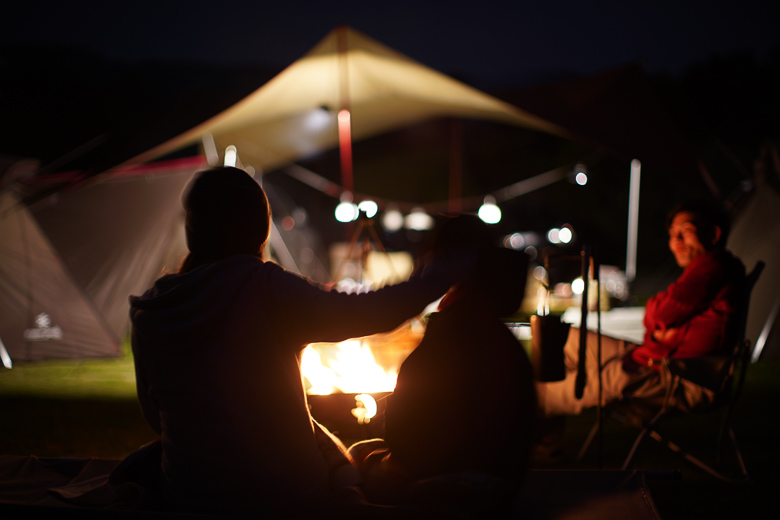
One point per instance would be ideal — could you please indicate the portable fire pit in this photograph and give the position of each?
(345, 415)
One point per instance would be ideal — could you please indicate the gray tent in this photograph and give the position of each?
(69, 261)
(755, 236)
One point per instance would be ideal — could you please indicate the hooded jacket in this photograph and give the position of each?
(218, 376)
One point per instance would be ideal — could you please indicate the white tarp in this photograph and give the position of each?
(294, 115)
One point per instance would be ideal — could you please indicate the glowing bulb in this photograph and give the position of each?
(489, 212)
(577, 286)
(231, 156)
(581, 178)
(317, 119)
(553, 236)
(517, 241)
(565, 235)
(346, 212)
(369, 207)
(419, 220)
(393, 220)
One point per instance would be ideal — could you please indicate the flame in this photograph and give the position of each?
(351, 367)
(351, 370)
(365, 408)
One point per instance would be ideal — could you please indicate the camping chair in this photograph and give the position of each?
(723, 375)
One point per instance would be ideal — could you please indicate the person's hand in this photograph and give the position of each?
(665, 335)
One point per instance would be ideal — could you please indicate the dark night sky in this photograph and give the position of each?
(485, 43)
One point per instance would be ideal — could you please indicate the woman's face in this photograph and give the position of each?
(688, 239)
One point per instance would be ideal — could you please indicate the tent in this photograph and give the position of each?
(295, 114)
(68, 262)
(755, 236)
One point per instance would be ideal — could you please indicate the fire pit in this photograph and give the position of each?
(336, 413)
(347, 382)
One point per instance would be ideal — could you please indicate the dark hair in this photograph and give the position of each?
(706, 215)
(227, 213)
(500, 273)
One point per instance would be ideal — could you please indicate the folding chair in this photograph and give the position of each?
(723, 375)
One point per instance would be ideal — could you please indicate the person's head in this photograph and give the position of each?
(500, 274)
(227, 213)
(696, 227)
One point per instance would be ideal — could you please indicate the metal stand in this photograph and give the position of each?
(365, 229)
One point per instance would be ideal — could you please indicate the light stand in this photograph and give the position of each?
(590, 265)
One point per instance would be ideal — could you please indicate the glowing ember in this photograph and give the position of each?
(365, 408)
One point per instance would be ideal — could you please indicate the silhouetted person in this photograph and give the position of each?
(464, 403)
(217, 360)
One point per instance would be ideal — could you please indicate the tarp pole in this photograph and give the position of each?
(454, 204)
(4, 356)
(344, 114)
(633, 219)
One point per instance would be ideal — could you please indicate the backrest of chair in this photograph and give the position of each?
(743, 347)
(750, 283)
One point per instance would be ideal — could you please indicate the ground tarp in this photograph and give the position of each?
(32, 487)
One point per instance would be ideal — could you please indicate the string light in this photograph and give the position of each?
(489, 212)
(347, 211)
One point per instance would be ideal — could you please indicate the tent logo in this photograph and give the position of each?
(43, 329)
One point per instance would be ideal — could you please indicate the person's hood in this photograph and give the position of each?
(182, 304)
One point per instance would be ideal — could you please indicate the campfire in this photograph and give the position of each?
(347, 381)
(361, 365)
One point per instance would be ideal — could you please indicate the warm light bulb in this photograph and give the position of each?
(346, 212)
(393, 220)
(369, 207)
(418, 220)
(489, 212)
(231, 156)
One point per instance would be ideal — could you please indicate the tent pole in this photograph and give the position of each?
(633, 219)
(344, 114)
(6, 359)
(454, 204)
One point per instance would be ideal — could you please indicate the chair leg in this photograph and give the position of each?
(687, 456)
(631, 454)
(738, 453)
(648, 427)
(585, 445)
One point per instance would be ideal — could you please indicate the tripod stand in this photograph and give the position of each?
(364, 234)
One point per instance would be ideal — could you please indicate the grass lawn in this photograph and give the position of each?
(87, 408)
